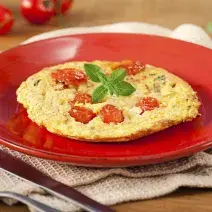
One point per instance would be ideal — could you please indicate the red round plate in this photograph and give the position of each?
(189, 61)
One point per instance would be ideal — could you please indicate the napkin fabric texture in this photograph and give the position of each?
(116, 185)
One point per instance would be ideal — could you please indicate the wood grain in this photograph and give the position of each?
(183, 200)
(168, 13)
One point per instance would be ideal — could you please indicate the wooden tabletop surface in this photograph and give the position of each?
(168, 13)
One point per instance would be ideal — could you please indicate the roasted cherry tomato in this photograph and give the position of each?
(111, 114)
(132, 67)
(148, 103)
(37, 11)
(82, 98)
(82, 114)
(6, 20)
(65, 5)
(70, 76)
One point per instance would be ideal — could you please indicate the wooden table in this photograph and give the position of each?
(168, 13)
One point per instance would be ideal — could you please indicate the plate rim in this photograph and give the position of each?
(177, 154)
(48, 155)
(105, 33)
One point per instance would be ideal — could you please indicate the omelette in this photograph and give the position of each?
(104, 101)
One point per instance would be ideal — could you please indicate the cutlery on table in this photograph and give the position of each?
(40, 207)
(19, 168)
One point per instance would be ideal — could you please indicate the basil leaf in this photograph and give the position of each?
(93, 72)
(115, 90)
(102, 77)
(124, 88)
(113, 84)
(117, 75)
(99, 93)
(111, 90)
(109, 87)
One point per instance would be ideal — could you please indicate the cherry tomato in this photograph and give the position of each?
(6, 20)
(148, 103)
(65, 5)
(111, 114)
(82, 114)
(82, 98)
(70, 76)
(132, 67)
(37, 11)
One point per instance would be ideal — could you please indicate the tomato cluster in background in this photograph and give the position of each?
(34, 11)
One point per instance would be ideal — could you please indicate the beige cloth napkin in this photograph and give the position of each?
(112, 186)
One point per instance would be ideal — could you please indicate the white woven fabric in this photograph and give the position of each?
(111, 186)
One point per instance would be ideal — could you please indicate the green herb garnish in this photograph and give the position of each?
(113, 84)
(162, 78)
(99, 93)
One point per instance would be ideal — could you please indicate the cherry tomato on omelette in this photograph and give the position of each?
(70, 76)
(132, 67)
(82, 98)
(111, 114)
(148, 103)
(6, 20)
(37, 11)
(82, 114)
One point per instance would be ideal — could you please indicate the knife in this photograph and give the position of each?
(23, 170)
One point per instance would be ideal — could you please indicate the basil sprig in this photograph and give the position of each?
(113, 84)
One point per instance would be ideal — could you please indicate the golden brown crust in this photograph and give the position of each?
(162, 125)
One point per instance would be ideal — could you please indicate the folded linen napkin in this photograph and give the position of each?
(112, 186)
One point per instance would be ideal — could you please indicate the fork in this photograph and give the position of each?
(28, 201)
